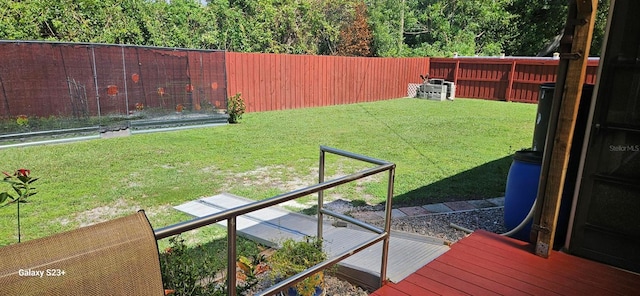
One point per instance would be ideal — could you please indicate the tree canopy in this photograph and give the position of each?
(329, 27)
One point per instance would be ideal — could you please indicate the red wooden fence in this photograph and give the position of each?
(281, 81)
(72, 79)
(56, 79)
(506, 79)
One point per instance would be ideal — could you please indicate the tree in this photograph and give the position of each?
(356, 38)
(384, 18)
(294, 23)
(441, 27)
(279, 26)
(600, 27)
(178, 23)
(19, 20)
(398, 27)
(544, 22)
(332, 17)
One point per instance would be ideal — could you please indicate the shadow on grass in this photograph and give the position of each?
(485, 181)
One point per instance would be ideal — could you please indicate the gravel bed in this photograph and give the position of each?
(434, 225)
(439, 225)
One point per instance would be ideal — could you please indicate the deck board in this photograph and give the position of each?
(390, 290)
(476, 267)
(540, 272)
(462, 284)
(428, 284)
(562, 276)
(580, 268)
(474, 279)
(488, 264)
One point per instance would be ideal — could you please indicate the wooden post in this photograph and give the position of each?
(585, 11)
(455, 72)
(512, 76)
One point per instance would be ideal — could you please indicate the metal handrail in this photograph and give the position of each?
(387, 215)
(231, 215)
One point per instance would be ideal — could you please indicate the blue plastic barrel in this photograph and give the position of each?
(521, 190)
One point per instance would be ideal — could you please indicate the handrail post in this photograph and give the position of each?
(387, 228)
(231, 256)
(320, 193)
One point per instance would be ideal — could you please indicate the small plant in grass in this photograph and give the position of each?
(21, 183)
(296, 256)
(235, 108)
(22, 121)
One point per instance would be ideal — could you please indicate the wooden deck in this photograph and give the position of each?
(488, 264)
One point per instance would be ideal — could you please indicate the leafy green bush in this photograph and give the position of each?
(186, 273)
(198, 270)
(296, 256)
(235, 108)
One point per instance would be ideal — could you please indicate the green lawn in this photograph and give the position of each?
(443, 150)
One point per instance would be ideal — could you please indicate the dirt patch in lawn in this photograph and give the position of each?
(286, 179)
(275, 176)
(100, 214)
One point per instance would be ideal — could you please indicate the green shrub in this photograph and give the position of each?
(235, 108)
(198, 270)
(187, 271)
(296, 256)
